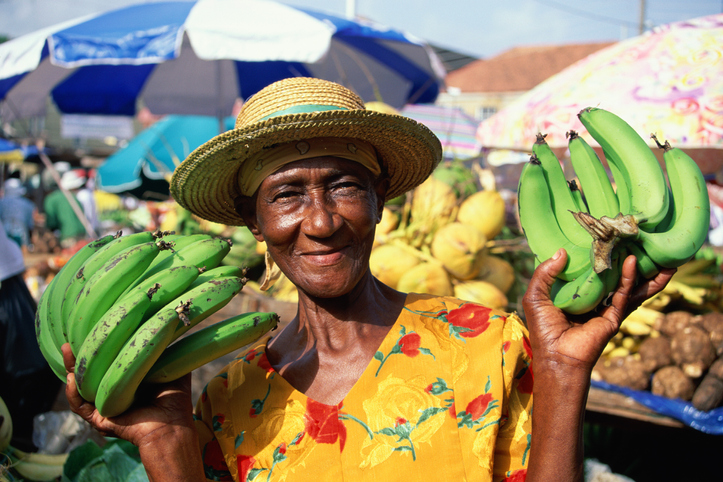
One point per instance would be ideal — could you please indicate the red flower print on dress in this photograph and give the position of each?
(214, 465)
(244, 463)
(409, 344)
(264, 364)
(323, 423)
(516, 476)
(476, 412)
(469, 320)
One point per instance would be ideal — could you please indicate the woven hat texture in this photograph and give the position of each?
(299, 108)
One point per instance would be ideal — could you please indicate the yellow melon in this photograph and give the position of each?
(389, 262)
(481, 292)
(433, 200)
(460, 248)
(428, 277)
(484, 210)
(497, 271)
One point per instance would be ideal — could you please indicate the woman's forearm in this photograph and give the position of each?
(560, 394)
(172, 455)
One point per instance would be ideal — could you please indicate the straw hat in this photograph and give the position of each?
(294, 109)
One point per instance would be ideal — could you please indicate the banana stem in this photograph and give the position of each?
(606, 233)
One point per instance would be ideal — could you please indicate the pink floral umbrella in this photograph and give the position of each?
(668, 81)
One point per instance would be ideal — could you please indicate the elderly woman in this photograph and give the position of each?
(365, 383)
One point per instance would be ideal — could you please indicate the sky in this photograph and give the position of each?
(479, 28)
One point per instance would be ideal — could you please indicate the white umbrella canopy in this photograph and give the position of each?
(198, 57)
(668, 81)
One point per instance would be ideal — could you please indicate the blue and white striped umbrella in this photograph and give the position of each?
(197, 57)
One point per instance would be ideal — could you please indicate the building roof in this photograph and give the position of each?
(452, 60)
(520, 68)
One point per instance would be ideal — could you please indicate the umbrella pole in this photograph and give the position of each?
(71, 199)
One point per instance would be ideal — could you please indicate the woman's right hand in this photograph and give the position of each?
(170, 406)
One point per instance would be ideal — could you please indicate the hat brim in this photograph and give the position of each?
(206, 182)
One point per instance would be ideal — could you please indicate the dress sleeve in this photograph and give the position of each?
(512, 448)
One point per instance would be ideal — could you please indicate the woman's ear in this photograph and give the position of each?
(246, 208)
(381, 188)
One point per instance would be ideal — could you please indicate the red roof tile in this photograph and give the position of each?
(520, 68)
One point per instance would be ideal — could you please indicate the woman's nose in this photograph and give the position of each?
(321, 219)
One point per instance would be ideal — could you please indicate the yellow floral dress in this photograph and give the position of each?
(447, 396)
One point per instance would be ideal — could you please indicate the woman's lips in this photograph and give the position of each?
(324, 258)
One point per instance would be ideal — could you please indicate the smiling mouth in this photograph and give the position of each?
(325, 258)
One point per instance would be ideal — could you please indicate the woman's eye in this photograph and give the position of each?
(284, 195)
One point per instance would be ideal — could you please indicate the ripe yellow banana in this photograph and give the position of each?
(632, 160)
(6, 426)
(210, 343)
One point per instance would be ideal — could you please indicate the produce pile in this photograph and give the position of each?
(662, 224)
(17, 464)
(125, 304)
(673, 344)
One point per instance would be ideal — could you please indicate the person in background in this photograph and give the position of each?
(59, 214)
(17, 213)
(27, 384)
(86, 197)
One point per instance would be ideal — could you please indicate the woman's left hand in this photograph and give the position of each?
(578, 340)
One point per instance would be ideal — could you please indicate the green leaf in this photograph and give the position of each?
(79, 457)
(379, 356)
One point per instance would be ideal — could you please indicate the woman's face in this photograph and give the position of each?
(317, 217)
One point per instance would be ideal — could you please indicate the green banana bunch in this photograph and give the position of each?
(123, 307)
(662, 226)
(209, 343)
(118, 386)
(104, 287)
(635, 168)
(49, 329)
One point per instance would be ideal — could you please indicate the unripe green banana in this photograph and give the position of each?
(634, 162)
(119, 384)
(206, 254)
(178, 242)
(104, 287)
(646, 266)
(49, 315)
(599, 193)
(106, 339)
(218, 272)
(689, 228)
(586, 292)
(210, 343)
(563, 203)
(93, 264)
(169, 283)
(540, 226)
(580, 201)
(44, 336)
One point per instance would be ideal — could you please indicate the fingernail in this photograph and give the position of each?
(557, 254)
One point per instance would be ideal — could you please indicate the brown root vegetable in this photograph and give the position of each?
(671, 382)
(709, 393)
(692, 351)
(713, 324)
(625, 371)
(655, 353)
(674, 322)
